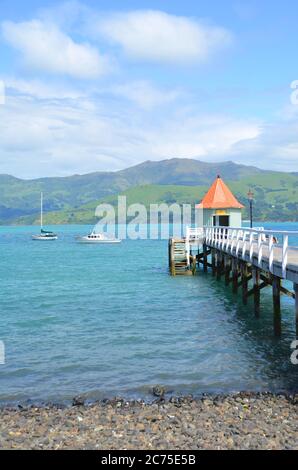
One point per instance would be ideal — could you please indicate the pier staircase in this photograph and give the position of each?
(178, 257)
(250, 258)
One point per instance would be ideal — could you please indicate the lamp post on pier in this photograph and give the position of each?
(250, 196)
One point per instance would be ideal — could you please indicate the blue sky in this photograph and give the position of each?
(105, 85)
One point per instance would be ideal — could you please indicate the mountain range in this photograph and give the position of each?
(72, 199)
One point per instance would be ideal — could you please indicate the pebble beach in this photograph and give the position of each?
(241, 421)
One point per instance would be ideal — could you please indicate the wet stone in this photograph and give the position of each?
(242, 421)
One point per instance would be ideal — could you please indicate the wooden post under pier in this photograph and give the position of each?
(193, 264)
(218, 265)
(276, 284)
(241, 255)
(169, 253)
(227, 261)
(213, 261)
(205, 258)
(244, 279)
(235, 275)
(256, 289)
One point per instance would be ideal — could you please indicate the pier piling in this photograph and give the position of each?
(213, 261)
(205, 258)
(256, 290)
(276, 284)
(227, 262)
(235, 275)
(218, 265)
(241, 255)
(244, 279)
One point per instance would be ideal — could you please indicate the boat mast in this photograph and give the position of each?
(41, 211)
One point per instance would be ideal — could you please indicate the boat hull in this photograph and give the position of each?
(96, 242)
(40, 238)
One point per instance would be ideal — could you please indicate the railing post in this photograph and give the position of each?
(271, 253)
(251, 246)
(228, 240)
(260, 250)
(244, 245)
(285, 246)
(232, 242)
(187, 246)
(238, 242)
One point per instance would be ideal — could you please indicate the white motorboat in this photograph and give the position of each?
(44, 235)
(94, 238)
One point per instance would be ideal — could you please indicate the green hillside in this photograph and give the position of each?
(271, 202)
(74, 199)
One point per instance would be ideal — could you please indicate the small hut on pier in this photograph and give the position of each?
(219, 207)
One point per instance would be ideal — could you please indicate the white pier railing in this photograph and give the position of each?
(269, 245)
(266, 245)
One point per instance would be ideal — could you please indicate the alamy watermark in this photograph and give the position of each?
(2, 353)
(294, 94)
(136, 221)
(294, 355)
(2, 92)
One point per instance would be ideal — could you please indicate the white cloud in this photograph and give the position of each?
(144, 94)
(208, 137)
(55, 128)
(276, 147)
(62, 137)
(2, 92)
(39, 89)
(160, 37)
(44, 47)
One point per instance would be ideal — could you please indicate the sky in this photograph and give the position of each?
(103, 85)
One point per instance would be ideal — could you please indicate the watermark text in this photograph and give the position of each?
(294, 355)
(2, 353)
(2, 92)
(136, 221)
(294, 94)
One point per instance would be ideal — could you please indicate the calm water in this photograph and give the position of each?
(108, 320)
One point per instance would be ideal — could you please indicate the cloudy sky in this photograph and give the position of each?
(103, 85)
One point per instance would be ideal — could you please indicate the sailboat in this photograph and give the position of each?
(44, 234)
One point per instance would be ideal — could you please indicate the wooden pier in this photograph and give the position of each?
(248, 259)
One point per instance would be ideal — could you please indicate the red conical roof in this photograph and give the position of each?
(219, 196)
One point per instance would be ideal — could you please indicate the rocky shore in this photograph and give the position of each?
(240, 421)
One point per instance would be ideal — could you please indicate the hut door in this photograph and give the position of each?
(221, 220)
(224, 221)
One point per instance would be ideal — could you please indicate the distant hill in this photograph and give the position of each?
(74, 198)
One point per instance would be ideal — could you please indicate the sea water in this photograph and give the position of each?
(108, 320)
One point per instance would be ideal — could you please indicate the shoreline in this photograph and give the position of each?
(15, 225)
(244, 420)
(155, 395)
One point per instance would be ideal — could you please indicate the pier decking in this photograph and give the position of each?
(264, 258)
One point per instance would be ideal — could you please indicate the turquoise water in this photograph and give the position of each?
(106, 320)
